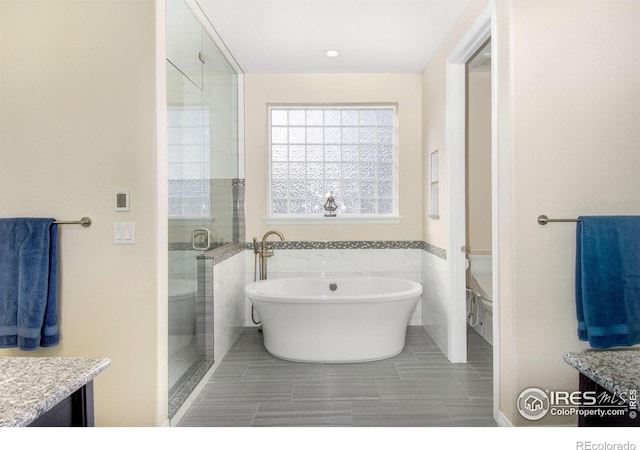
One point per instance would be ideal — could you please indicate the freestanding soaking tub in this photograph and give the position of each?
(318, 319)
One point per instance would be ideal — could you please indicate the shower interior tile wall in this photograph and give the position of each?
(182, 264)
(398, 263)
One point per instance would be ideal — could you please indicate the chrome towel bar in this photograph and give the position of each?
(85, 222)
(543, 220)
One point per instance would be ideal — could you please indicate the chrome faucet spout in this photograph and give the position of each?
(266, 252)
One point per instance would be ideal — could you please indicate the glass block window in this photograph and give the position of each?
(189, 162)
(348, 151)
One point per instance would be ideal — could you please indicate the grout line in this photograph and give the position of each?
(245, 372)
(255, 413)
(463, 389)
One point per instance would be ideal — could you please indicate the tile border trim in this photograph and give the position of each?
(225, 252)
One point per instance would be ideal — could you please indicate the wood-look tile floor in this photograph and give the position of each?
(417, 388)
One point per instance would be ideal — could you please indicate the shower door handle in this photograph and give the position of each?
(199, 232)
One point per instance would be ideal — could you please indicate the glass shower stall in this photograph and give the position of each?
(204, 188)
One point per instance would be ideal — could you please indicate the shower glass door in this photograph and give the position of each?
(189, 211)
(202, 120)
(188, 191)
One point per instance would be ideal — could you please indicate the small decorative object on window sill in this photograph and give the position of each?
(330, 206)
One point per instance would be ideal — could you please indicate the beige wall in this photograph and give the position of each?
(479, 162)
(403, 89)
(572, 110)
(433, 120)
(78, 121)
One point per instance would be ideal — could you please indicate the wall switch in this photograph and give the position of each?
(124, 233)
(122, 200)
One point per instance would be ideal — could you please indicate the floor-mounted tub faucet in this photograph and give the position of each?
(265, 252)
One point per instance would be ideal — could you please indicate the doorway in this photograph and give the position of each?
(456, 138)
(479, 285)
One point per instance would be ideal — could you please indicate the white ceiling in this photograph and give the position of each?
(372, 36)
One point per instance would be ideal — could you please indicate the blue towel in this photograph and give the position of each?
(28, 283)
(608, 280)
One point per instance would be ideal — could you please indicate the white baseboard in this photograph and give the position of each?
(166, 423)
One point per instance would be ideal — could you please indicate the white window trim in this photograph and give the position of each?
(191, 220)
(271, 218)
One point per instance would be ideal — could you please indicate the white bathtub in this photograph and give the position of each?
(363, 319)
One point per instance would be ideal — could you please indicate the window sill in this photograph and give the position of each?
(300, 220)
(190, 219)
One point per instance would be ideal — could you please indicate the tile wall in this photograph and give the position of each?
(228, 304)
(182, 263)
(435, 298)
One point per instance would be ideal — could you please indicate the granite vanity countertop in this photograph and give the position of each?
(618, 371)
(30, 386)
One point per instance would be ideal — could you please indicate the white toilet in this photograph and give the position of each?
(480, 306)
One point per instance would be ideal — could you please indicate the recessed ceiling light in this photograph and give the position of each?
(332, 53)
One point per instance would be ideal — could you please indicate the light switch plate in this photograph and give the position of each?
(124, 233)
